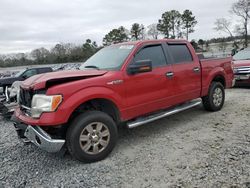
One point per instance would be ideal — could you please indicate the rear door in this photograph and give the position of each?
(150, 91)
(186, 72)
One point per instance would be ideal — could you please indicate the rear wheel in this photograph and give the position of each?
(214, 101)
(91, 136)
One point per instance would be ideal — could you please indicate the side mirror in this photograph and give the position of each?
(24, 77)
(140, 67)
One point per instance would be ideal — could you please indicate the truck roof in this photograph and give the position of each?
(152, 41)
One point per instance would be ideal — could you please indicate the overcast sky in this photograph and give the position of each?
(29, 24)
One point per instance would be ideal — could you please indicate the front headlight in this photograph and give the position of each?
(43, 103)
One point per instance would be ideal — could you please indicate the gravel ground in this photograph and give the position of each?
(194, 148)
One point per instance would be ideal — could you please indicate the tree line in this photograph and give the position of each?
(60, 53)
(172, 24)
(238, 33)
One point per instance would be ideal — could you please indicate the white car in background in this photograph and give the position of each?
(12, 91)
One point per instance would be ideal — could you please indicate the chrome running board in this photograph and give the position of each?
(162, 114)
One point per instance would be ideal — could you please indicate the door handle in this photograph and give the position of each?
(196, 69)
(169, 74)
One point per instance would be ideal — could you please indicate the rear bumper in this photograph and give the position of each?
(38, 136)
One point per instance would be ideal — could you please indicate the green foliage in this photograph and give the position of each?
(137, 31)
(194, 44)
(173, 24)
(60, 53)
(170, 24)
(201, 43)
(188, 22)
(165, 24)
(19, 60)
(115, 36)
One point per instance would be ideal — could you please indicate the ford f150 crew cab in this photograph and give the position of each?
(134, 83)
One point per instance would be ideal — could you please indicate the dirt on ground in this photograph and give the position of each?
(194, 148)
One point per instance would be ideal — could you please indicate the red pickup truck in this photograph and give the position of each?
(241, 62)
(134, 82)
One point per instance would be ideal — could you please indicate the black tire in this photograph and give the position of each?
(209, 101)
(79, 125)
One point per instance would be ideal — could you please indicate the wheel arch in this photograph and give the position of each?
(216, 75)
(99, 104)
(219, 78)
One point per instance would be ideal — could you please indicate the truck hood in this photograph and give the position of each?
(47, 80)
(242, 63)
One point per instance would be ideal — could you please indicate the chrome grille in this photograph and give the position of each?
(242, 70)
(25, 97)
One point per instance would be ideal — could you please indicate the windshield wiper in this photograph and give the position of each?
(92, 67)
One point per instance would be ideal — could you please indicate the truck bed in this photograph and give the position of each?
(211, 65)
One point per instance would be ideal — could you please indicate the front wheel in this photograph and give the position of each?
(91, 136)
(214, 101)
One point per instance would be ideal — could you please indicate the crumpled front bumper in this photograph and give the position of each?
(37, 136)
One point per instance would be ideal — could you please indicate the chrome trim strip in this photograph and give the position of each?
(241, 70)
(25, 107)
(6, 94)
(141, 121)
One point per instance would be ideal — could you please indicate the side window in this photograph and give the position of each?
(153, 53)
(180, 53)
(29, 73)
(44, 70)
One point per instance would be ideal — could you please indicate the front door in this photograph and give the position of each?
(147, 92)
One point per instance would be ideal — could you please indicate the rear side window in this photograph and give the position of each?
(153, 53)
(44, 70)
(180, 53)
(29, 73)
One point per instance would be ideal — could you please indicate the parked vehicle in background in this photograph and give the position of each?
(68, 66)
(10, 87)
(11, 94)
(5, 83)
(134, 83)
(242, 67)
(8, 103)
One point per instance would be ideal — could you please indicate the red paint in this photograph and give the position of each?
(138, 94)
(242, 63)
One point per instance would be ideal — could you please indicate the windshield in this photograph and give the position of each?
(242, 55)
(109, 58)
(19, 73)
